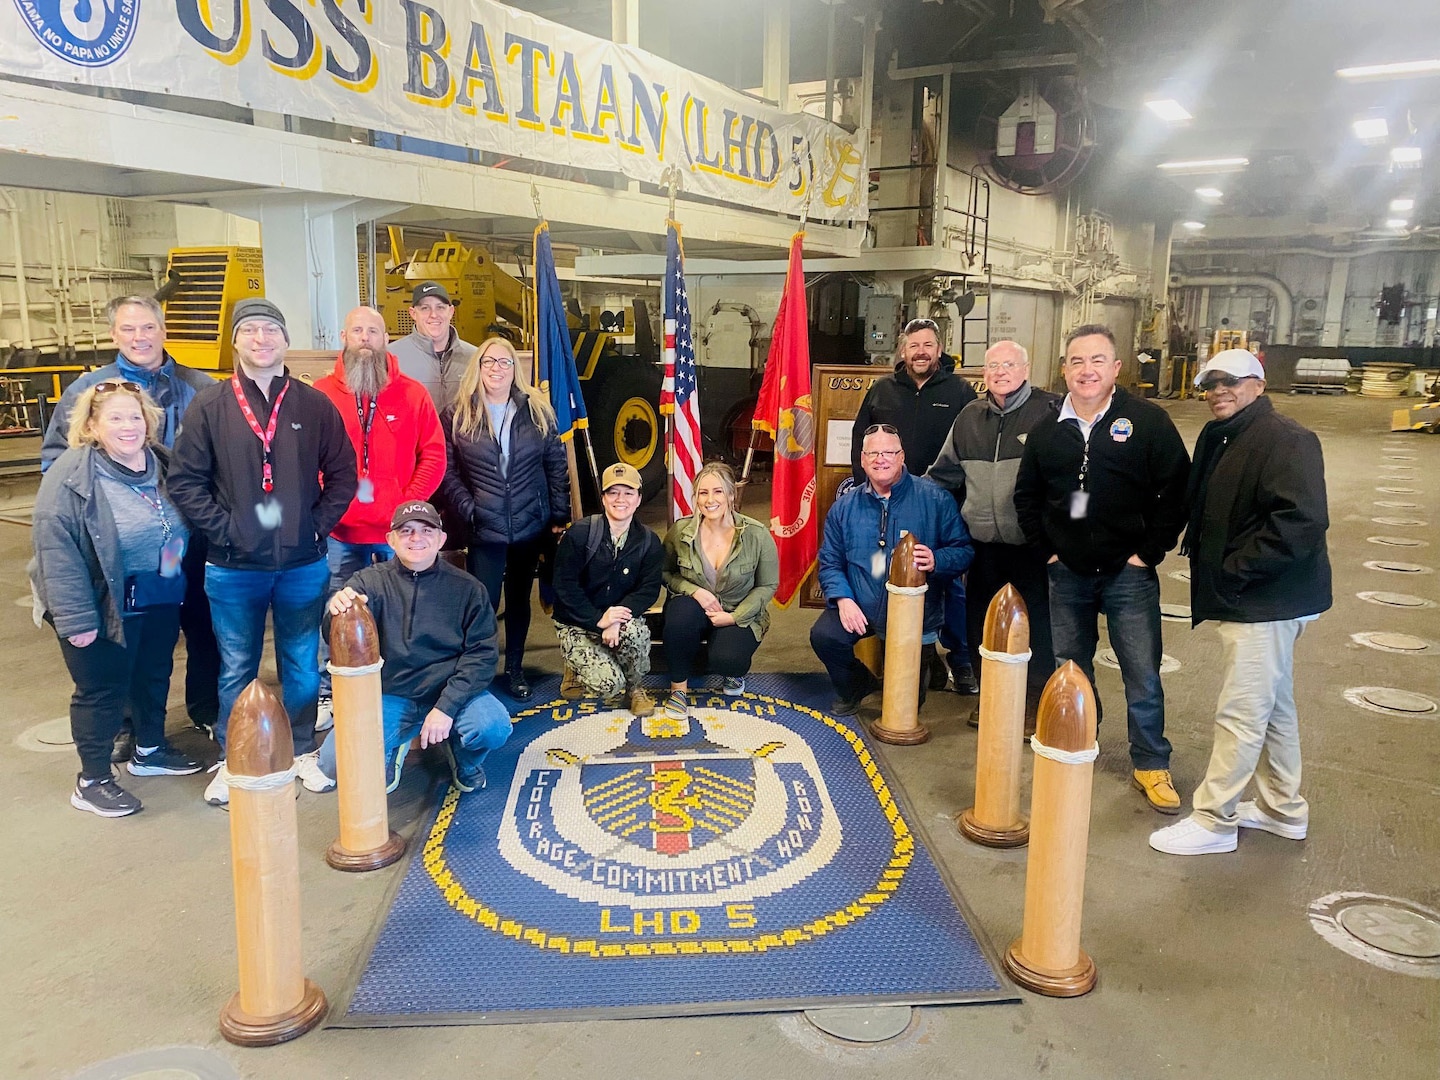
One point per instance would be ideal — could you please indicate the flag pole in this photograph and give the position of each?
(671, 177)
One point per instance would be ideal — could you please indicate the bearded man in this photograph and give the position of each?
(399, 452)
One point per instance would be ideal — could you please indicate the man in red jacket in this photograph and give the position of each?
(399, 449)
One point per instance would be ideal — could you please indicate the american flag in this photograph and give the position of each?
(679, 396)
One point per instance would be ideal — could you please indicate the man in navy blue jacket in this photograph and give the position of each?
(861, 532)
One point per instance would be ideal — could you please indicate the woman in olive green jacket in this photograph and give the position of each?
(721, 571)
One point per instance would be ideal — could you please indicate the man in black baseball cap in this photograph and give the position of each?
(437, 635)
(433, 353)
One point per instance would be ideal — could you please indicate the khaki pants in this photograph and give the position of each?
(1257, 731)
(605, 672)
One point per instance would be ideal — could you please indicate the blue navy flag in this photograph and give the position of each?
(554, 357)
(679, 396)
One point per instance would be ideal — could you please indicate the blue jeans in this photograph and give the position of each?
(1130, 601)
(345, 561)
(481, 726)
(954, 630)
(239, 601)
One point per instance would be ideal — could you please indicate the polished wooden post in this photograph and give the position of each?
(275, 1002)
(995, 820)
(1047, 957)
(904, 627)
(366, 842)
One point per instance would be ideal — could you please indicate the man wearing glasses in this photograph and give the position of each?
(608, 570)
(437, 635)
(433, 354)
(137, 327)
(979, 463)
(1258, 567)
(264, 469)
(861, 532)
(1101, 494)
(922, 400)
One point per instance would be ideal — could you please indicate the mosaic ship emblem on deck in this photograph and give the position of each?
(721, 806)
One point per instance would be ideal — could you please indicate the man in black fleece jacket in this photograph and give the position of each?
(1101, 493)
(437, 638)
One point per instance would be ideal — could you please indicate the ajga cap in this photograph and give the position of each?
(414, 510)
(620, 473)
(429, 288)
(256, 307)
(1239, 363)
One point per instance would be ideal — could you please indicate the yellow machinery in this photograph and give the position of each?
(203, 285)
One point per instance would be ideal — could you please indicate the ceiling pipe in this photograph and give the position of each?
(1284, 302)
(1321, 253)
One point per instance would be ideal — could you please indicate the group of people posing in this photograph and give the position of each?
(175, 502)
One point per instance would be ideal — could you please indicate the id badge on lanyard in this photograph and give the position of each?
(267, 511)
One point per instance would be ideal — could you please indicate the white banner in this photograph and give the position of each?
(466, 72)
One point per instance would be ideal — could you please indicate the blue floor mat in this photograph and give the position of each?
(754, 857)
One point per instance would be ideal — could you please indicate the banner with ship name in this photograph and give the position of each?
(470, 73)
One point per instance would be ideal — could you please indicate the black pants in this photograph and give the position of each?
(513, 564)
(995, 566)
(687, 627)
(108, 676)
(835, 646)
(202, 652)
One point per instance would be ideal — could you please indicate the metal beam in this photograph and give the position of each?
(949, 262)
(981, 67)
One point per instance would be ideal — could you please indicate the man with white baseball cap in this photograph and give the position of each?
(1259, 569)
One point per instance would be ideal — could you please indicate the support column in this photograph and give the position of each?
(942, 164)
(625, 22)
(775, 62)
(1335, 303)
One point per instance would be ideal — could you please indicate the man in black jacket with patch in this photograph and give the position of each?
(922, 401)
(1259, 568)
(263, 467)
(608, 571)
(437, 638)
(1101, 493)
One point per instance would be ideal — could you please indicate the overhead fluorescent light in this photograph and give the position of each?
(1396, 223)
(1405, 155)
(1371, 128)
(1399, 70)
(1401, 206)
(1169, 110)
(1204, 165)
(1194, 226)
(1209, 193)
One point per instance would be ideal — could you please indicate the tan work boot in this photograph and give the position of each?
(1158, 789)
(570, 686)
(641, 703)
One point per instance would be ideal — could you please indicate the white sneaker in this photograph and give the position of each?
(307, 767)
(1189, 837)
(217, 792)
(324, 714)
(1252, 817)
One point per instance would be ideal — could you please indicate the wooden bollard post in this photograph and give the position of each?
(899, 721)
(1047, 957)
(275, 1002)
(366, 842)
(995, 820)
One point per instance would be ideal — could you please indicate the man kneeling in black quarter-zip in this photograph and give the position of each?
(437, 637)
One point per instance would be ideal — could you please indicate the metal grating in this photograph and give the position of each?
(194, 312)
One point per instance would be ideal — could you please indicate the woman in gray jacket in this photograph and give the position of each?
(106, 576)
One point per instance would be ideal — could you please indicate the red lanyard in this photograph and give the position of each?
(366, 416)
(266, 437)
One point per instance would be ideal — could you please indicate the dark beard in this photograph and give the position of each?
(367, 371)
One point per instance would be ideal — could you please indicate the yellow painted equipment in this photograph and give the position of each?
(207, 283)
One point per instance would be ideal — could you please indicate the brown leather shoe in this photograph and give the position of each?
(570, 686)
(1158, 789)
(641, 703)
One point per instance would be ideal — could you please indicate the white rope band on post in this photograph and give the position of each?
(1005, 657)
(368, 669)
(269, 782)
(906, 590)
(1065, 757)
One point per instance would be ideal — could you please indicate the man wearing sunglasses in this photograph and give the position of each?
(1101, 495)
(137, 327)
(979, 464)
(861, 532)
(1260, 571)
(922, 400)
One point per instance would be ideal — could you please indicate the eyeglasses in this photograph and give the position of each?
(922, 324)
(260, 329)
(1003, 365)
(502, 362)
(1229, 382)
(871, 455)
(110, 386)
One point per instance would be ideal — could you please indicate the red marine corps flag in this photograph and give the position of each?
(784, 411)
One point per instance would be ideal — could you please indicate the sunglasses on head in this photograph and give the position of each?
(110, 386)
(1229, 382)
(922, 324)
(888, 429)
